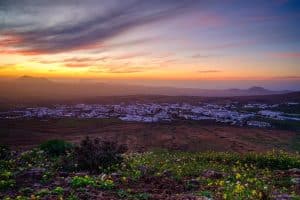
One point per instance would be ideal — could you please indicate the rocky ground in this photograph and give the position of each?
(34, 174)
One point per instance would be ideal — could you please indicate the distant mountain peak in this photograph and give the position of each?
(257, 89)
(234, 90)
(27, 78)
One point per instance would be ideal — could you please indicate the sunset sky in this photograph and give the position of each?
(187, 43)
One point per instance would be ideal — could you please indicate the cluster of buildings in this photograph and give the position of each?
(154, 112)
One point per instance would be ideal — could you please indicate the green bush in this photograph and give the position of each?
(56, 147)
(96, 156)
(43, 192)
(78, 181)
(6, 180)
(58, 191)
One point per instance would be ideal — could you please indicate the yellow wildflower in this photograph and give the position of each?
(239, 188)
(124, 178)
(221, 183)
(238, 176)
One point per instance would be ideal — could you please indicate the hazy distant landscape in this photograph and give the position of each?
(278, 113)
(30, 89)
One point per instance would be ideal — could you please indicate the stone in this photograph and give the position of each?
(33, 175)
(194, 181)
(296, 181)
(213, 174)
(81, 174)
(63, 174)
(115, 175)
(294, 171)
(282, 197)
(145, 170)
(167, 173)
(37, 185)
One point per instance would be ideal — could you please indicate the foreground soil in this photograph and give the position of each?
(140, 137)
(160, 175)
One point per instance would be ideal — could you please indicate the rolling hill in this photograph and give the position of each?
(27, 89)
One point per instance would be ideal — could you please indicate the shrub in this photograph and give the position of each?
(78, 181)
(106, 184)
(67, 162)
(96, 156)
(43, 192)
(5, 184)
(58, 191)
(56, 147)
(26, 191)
(4, 152)
(6, 180)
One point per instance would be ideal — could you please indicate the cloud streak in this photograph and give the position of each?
(94, 29)
(208, 71)
(118, 70)
(285, 55)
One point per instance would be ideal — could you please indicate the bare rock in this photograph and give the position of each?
(33, 175)
(167, 173)
(282, 197)
(145, 170)
(115, 175)
(296, 181)
(213, 174)
(295, 172)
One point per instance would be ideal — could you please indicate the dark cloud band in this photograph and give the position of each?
(65, 35)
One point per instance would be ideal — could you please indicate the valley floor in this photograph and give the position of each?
(180, 135)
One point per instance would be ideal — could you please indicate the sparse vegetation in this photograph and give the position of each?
(97, 156)
(78, 181)
(149, 175)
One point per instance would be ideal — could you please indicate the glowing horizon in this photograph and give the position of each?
(171, 40)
